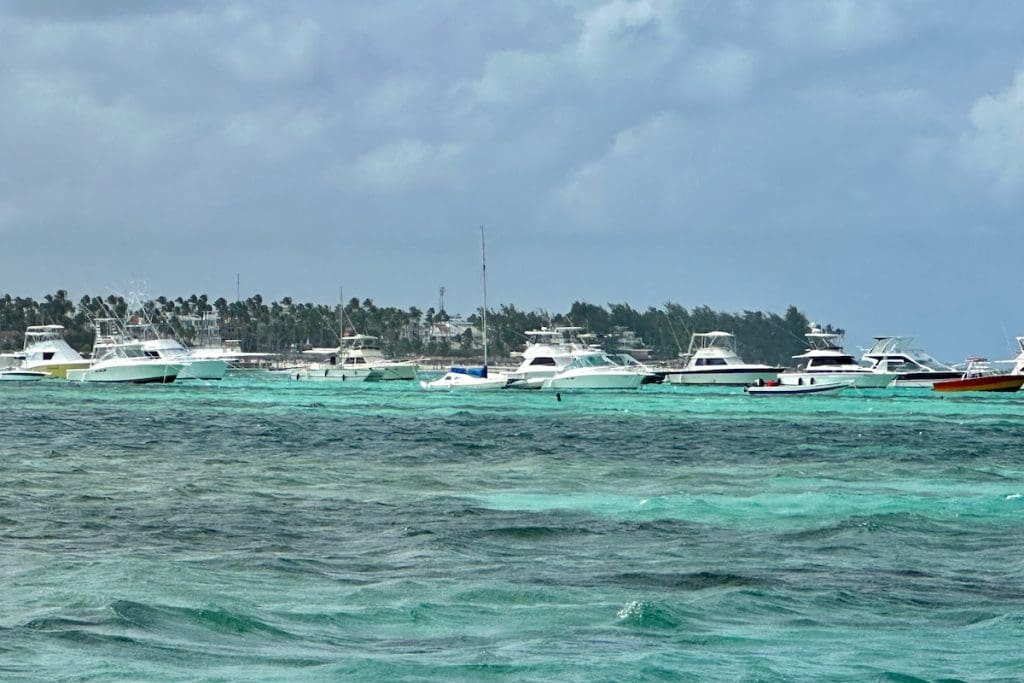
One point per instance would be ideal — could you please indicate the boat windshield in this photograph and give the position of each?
(596, 360)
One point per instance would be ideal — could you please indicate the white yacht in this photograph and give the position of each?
(712, 359)
(46, 351)
(359, 358)
(119, 359)
(914, 367)
(210, 345)
(548, 351)
(193, 367)
(825, 361)
(594, 369)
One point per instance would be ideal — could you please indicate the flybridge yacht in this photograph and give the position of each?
(548, 351)
(559, 358)
(914, 367)
(46, 351)
(209, 345)
(825, 361)
(118, 358)
(359, 358)
(712, 359)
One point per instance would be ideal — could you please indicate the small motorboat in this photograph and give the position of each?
(979, 377)
(21, 375)
(775, 388)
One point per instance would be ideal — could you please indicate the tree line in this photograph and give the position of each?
(288, 326)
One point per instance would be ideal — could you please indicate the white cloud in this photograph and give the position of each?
(834, 25)
(639, 182)
(717, 74)
(627, 39)
(516, 76)
(994, 147)
(400, 165)
(281, 52)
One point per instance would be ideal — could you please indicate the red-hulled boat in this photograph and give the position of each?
(978, 377)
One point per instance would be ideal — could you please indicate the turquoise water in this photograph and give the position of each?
(260, 529)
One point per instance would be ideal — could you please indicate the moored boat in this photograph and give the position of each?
(825, 361)
(778, 389)
(21, 375)
(46, 351)
(979, 377)
(914, 367)
(712, 359)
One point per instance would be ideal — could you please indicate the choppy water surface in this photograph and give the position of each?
(260, 529)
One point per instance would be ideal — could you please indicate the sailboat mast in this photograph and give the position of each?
(483, 269)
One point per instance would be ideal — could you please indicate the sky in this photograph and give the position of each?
(861, 160)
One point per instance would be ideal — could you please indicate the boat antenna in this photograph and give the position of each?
(483, 272)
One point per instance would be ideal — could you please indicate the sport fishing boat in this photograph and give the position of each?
(712, 359)
(978, 376)
(548, 351)
(914, 367)
(119, 359)
(46, 351)
(825, 361)
(358, 358)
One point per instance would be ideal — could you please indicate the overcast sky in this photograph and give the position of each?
(863, 160)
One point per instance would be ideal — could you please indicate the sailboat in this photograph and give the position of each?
(471, 379)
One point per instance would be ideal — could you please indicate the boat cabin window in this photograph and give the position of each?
(543, 360)
(48, 355)
(152, 354)
(830, 361)
(710, 361)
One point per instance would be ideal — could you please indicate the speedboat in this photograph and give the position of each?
(117, 358)
(712, 359)
(825, 361)
(594, 369)
(46, 351)
(978, 376)
(914, 367)
(358, 358)
(775, 388)
(13, 374)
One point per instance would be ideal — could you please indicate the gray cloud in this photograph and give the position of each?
(617, 150)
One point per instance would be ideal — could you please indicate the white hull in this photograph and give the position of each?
(461, 382)
(208, 369)
(859, 380)
(593, 380)
(335, 374)
(798, 390)
(721, 377)
(19, 375)
(127, 372)
(395, 371)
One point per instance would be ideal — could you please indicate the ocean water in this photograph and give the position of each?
(261, 529)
